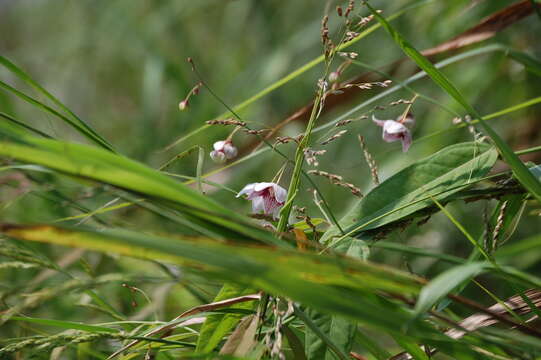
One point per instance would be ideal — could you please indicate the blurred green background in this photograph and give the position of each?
(121, 66)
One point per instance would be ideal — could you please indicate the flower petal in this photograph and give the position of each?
(378, 122)
(248, 189)
(280, 194)
(258, 205)
(262, 186)
(230, 151)
(218, 156)
(270, 203)
(219, 145)
(406, 141)
(391, 137)
(394, 127)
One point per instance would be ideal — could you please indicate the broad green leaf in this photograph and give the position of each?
(439, 175)
(318, 343)
(294, 343)
(217, 326)
(444, 283)
(519, 169)
(393, 246)
(101, 165)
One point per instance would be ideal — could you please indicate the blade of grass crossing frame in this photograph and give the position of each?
(23, 125)
(73, 119)
(65, 324)
(101, 165)
(519, 169)
(81, 129)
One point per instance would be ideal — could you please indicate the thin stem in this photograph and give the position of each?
(273, 148)
(299, 161)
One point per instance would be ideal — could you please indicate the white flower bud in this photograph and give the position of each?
(183, 105)
(218, 156)
(223, 150)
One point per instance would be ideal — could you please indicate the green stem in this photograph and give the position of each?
(299, 161)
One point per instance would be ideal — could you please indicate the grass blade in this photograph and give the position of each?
(444, 283)
(101, 165)
(64, 324)
(73, 119)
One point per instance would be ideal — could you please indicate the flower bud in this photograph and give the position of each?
(183, 104)
(223, 150)
(334, 76)
(218, 156)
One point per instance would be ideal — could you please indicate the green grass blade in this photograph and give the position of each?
(64, 324)
(340, 329)
(340, 286)
(24, 126)
(519, 169)
(75, 121)
(47, 109)
(101, 165)
(463, 230)
(411, 348)
(444, 283)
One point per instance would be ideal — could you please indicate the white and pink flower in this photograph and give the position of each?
(267, 198)
(223, 150)
(397, 130)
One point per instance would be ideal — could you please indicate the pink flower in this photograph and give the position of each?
(397, 130)
(223, 150)
(266, 197)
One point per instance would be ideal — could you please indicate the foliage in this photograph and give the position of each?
(120, 238)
